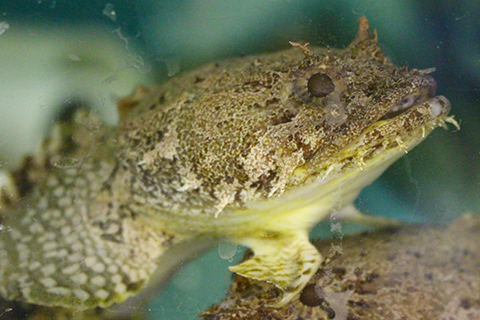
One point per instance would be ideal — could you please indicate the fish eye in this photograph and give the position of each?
(320, 85)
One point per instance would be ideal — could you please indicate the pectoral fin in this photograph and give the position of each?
(351, 214)
(288, 262)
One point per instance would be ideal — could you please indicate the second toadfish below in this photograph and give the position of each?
(255, 150)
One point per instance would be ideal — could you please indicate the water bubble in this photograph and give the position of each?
(109, 11)
(67, 162)
(173, 66)
(74, 57)
(227, 250)
(336, 227)
(4, 26)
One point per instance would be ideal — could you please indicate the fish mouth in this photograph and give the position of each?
(415, 113)
(423, 97)
(437, 107)
(404, 123)
(402, 127)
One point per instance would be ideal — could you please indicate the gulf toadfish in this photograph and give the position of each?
(254, 150)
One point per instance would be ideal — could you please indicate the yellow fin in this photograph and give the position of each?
(287, 261)
(351, 214)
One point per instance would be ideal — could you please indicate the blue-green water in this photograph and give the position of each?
(436, 182)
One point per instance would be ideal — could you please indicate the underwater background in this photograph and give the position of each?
(57, 54)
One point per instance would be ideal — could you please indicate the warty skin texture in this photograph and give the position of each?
(249, 150)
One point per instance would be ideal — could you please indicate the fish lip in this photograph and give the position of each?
(439, 106)
(425, 90)
(427, 111)
(410, 126)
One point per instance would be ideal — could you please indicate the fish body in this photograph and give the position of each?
(254, 150)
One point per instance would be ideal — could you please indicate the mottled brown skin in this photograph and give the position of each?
(254, 150)
(234, 131)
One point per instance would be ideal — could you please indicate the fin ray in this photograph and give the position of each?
(288, 263)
